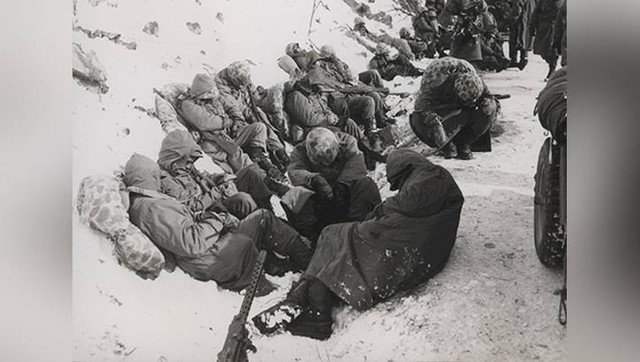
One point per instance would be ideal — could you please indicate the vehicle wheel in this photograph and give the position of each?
(549, 231)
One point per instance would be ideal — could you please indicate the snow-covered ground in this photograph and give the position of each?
(493, 301)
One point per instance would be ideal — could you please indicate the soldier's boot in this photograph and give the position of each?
(282, 314)
(283, 158)
(464, 152)
(313, 324)
(257, 155)
(524, 59)
(276, 186)
(449, 151)
(315, 321)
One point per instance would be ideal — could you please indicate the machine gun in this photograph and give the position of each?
(237, 342)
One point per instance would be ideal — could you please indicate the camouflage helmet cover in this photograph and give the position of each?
(468, 87)
(322, 146)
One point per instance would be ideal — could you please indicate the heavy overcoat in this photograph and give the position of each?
(405, 240)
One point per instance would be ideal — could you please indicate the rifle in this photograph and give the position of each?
(364, 89)
(237, 342)
(200, 178)
(256, 114)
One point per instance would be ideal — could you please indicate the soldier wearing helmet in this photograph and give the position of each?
(454, 108)
(330, 164)
(389, 67)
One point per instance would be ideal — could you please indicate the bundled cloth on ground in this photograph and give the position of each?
(102, 204)
(404, 241)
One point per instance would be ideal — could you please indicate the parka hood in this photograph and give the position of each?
(178, 144)
(142, 172)
(398, 160)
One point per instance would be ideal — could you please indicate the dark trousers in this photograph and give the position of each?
(478, 122)
(275, 235)
(250, 180)
(351, 202)
(240, 205)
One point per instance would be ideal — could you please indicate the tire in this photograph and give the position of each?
(548, 229)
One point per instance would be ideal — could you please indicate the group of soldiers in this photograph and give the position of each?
(468, 29)
(350, 245)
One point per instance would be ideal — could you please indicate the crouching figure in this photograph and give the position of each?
(403, 242)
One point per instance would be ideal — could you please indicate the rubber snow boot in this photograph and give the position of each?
(272, 171)
(312, 324)
(449, 151)
(256, 154)
(277, 186)
(464, 152)
(283, 158)
(277, 317)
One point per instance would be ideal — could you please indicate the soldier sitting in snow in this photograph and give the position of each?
(389, 67)
(206, 112)
(403, 242)
(491, 44)
(307, 108)
(235, 85)
(303, 58)
(336, 74)
(210, 245)
(199, 191)
(330, 164)
(454, 107)
(419, 48)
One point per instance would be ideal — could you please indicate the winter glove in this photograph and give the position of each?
(322, 187)
(234, 128)
(230, 222)
(218, 208)
(341, 195)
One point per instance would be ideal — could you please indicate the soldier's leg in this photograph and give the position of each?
(253, 135)
(363, 197)
(229, 265)
(240, 205)
(381, 109)
(351, 128)
(480, 121)
(362, 110)
(371, 77)
(250, 179)
(275, 235)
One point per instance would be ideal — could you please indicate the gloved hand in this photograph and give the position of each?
(341, 194)
(233, 129)
(230, 222)
(322, 187)
(218, 208)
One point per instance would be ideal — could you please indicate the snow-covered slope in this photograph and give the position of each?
(491, 302)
